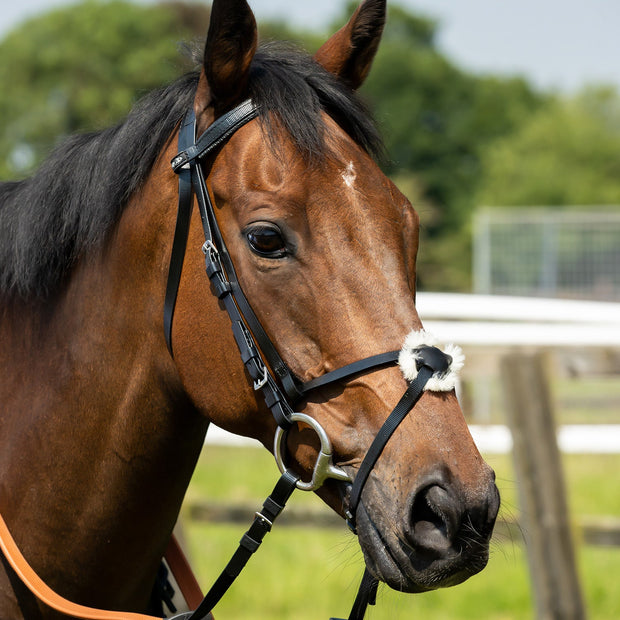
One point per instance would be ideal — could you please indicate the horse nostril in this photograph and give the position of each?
(435, 519)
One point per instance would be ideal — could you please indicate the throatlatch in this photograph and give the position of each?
(424, 366)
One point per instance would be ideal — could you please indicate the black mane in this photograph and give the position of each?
(77, 195)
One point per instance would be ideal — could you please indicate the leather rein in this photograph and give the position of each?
(281, 389)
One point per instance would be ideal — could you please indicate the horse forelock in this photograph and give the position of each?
(293, 91)
(76, 197)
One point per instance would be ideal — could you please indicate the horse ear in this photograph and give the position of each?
(349, 53)
(230, 47)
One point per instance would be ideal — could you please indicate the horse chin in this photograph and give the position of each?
(405, 569)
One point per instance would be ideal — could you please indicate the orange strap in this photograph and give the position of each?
(45, 594)
(183, 574)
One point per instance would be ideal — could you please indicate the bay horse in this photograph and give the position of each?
(101, 425)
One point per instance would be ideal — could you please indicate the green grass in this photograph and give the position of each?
(312, 573)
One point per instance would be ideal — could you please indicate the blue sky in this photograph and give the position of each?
(557, 44)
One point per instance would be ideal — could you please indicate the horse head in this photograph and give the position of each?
(324, 246)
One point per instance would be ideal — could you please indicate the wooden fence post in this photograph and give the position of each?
(544, 509)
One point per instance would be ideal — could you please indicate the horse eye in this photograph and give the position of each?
(266, 241)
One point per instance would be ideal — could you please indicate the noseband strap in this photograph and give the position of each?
(430, 361)
(350, 370)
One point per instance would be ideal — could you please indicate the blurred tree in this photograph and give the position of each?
(438, 120)
(82, 67)
(280, 31)
(568, 153)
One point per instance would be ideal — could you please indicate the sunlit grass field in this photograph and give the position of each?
(312, 573)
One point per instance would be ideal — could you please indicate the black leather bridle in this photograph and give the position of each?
(281, 389)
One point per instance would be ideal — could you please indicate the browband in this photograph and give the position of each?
(216, 134)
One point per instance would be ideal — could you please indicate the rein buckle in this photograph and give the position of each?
(258, 384)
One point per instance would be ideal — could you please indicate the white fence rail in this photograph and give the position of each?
(491, 322)
(490, 438)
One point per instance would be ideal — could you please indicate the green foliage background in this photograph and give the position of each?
(566, 153)
(81, 68)
(455, 140)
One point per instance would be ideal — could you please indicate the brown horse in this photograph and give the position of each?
(101, 427)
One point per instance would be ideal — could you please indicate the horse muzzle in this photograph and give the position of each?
(440, 539)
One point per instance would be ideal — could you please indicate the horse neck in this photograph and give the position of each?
(92, 397)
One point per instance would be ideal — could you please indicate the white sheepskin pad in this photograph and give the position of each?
(439, 382)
